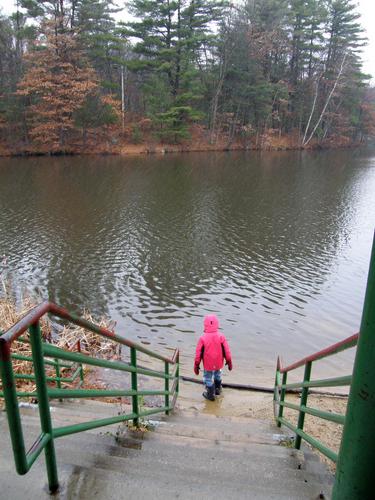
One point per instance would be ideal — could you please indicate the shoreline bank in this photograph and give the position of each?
(146, 149)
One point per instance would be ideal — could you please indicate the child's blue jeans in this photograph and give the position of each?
(210, 375)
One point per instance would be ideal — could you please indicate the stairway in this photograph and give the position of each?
(187, 455)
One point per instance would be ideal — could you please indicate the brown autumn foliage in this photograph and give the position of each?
(56, 84)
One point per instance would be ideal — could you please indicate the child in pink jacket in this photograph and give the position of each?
(213, 348)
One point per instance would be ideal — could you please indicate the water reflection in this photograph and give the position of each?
(276, 244)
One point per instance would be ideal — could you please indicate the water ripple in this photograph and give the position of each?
(276, 245)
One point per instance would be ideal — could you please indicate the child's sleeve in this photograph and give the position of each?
(199, 352)
(198, 355)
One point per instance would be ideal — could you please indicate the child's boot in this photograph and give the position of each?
(209, 393)
(218, 387)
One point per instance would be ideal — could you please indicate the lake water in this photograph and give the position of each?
(276, 244)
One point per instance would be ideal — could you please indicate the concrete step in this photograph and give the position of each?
(100, 476)
(157, 444)
(160, 480)
(248, 434)
(185, 455)
(86, 410)
(94, 483)
(222, 462)
(102, 451)
(208, 428)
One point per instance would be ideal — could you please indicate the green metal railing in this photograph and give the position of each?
(282, 387)
(56, 364)
(46, 354)
(354, 478)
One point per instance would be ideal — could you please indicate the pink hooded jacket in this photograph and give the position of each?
(212, 346)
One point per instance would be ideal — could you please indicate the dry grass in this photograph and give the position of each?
(9, 315)
(65, 337)
(90, 343)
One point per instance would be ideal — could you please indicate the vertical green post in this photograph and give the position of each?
(58, 373)
(43, 403)
(304, 395)
(355, 466)
(276, 388)
(166, 386)
(11, 404)
(81, 375)
(282, 398)
(178, 373)
(134, 376)
(57, 367)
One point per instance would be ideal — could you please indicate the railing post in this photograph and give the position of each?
(57, 368)
(11, 404)
(304, 395)
(166, 386)
(81, 375)
(282, 398)
(58, 381)
(178, 373)
(43, 403)
(355, 467)
(276, 389)
(134, 377)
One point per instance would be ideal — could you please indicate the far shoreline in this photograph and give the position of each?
(160, 150)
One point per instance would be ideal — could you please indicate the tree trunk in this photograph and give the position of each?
(305, 143)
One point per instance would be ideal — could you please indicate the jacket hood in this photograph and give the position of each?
(211, 324)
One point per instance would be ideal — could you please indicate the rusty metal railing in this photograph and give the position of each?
(281, 387)
(355, 471)
(40, 351)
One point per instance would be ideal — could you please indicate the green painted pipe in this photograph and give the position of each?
(96, 393)
(355, 468)
(325, 415)
(309, 439)
(11, 405)
(20, 357)
(303, 402)
(56, 352)
(43, 403)
(328, 382)
(134, 379)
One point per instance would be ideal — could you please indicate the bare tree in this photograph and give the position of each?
(305, 142)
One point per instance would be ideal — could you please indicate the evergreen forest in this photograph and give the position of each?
(97, 76)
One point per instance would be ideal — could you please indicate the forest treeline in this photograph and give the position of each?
(80, 75)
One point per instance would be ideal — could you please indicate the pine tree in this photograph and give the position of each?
(97, 31)
(250, 70)
(345, 34)
(307, 48)
(56, 85)
(172, 40)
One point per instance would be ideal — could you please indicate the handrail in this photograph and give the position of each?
(41, 350)
(58, 378)
(49, 307)
(324, 353)
(56, 352)
(281, 387)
